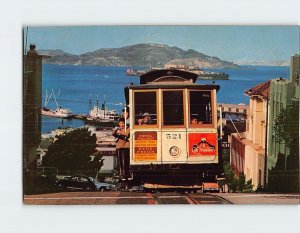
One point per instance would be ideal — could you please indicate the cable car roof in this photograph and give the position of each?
(191, 86)
(167, 75)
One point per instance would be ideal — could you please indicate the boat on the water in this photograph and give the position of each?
(102, 114)
(58, 112)
(102, 117)
(132, 72)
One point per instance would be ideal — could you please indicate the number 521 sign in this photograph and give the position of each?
(173, 136)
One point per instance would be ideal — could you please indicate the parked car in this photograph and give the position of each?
(103, 186)
(76, 183)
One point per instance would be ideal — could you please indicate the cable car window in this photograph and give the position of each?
(145, 108)
(200, 107)
(173, 108)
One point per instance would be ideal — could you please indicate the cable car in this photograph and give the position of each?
(173, 127)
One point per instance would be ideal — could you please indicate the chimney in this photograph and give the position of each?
(32, 51)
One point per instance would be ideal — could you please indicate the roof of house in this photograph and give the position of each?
(261, 90)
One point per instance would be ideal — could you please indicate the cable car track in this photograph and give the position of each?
(91, 198)
(192, 199)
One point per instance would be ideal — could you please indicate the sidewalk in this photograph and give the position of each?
(261, 198)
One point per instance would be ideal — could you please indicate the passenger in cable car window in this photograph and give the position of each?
(122, 148)
(143, 119)
(140, 119)
(146, 119)
(194, 121)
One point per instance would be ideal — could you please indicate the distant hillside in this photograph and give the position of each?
(56, 52)
(59, 57)
(143, 55)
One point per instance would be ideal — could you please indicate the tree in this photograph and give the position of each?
(96, 164)
(242, 180)
(71, 150)
(231, 180)
(286, 125)
(237, 183)
(284, 176)
(244, 186)
(286, 130)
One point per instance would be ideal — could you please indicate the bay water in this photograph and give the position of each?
(74, 86)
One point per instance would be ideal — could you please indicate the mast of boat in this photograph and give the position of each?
(97, 106)
(90, 102)
(58, 98)
(49, 98)
(104, 106)
(46, 98)
(55, 98)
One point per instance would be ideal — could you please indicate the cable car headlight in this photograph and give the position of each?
(174, 151)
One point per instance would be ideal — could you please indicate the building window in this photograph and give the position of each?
(173, 113)
(145, 108)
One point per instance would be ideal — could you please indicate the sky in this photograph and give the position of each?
(231, 43)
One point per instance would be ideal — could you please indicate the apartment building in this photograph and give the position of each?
(248, 149)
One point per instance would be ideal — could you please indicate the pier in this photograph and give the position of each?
(95, 121)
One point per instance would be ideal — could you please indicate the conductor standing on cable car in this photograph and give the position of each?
(122, 134)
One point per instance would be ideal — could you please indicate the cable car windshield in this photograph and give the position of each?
(173, 108)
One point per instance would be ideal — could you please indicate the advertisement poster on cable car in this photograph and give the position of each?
(202, 144)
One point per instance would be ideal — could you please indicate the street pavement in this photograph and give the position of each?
(137, 198)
